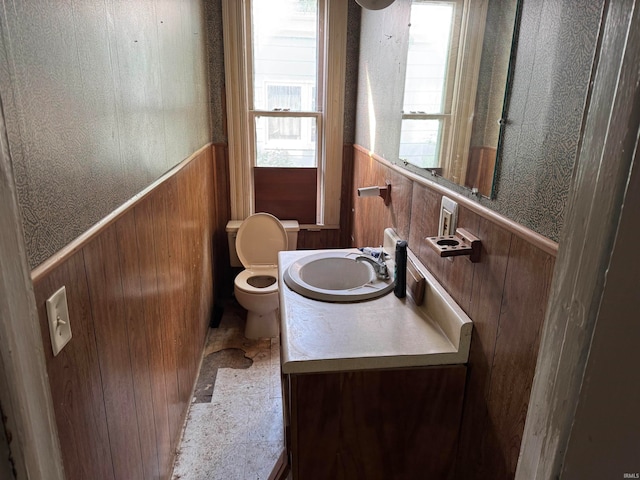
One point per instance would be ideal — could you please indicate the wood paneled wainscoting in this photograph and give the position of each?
(140, 295)
(505, 295)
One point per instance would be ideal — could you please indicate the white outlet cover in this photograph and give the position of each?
(59, 326)
(452, 207)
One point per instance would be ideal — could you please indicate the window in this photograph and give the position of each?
(441, 82)
(282, 67)
(429, 81)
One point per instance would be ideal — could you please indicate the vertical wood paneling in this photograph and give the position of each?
(457, 273)
(140, 296)
(206, 221)
(505, 294)
(480, 168)
(477, 427)
(524, 301)
(145, 218)
(346, 196)
(317, 239)
(287, 193)
(177, 287)
(167, 316)
(109, 316)
(138, 348)
(424, 222)
(187, 264)
(370, 213)
(74, 377)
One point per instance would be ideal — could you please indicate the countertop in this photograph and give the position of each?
(386, 332)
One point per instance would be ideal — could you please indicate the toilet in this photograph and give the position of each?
(254, 244)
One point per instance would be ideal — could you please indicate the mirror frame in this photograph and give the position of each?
(504, 119)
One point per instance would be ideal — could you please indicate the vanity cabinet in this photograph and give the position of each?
(374, 424)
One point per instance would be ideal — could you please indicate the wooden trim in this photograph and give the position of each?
(466, 87)
(316, 228)
(333, 125)
(281, 468)
(237, 100)
(543, 243)
(67, 251)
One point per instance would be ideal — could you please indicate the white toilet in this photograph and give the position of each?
(254, 243)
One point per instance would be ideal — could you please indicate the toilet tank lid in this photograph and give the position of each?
(289, 225)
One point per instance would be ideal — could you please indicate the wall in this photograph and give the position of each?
(139, 293)
(554, 55)
(604, 440)
(505, 295)
(383, 33)
(100, 99)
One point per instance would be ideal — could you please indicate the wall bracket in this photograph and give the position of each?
(462, 243)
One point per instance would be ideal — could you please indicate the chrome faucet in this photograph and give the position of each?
(378, 265)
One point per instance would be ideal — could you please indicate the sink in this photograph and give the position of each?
(336, 277)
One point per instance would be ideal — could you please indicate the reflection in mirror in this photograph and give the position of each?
(457, 72)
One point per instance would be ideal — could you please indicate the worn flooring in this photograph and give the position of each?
(234, 427)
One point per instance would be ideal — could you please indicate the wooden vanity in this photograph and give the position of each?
(374, 424)
(372, 390)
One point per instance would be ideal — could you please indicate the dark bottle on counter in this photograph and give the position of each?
(400, 289)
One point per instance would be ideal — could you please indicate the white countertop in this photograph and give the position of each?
(386, 332)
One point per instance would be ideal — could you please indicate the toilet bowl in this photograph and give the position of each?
(257, 243)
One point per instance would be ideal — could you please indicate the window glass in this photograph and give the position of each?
(428, 88)
(428, 57)
(420, 142)
(284, 98)
(285, 51)
(286, 141)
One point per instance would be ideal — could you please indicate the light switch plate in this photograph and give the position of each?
(448, 217)
(59, 326)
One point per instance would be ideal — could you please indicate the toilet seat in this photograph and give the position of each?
(260, 238)
(241, 281)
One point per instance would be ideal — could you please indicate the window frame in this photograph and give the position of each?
(332, 33)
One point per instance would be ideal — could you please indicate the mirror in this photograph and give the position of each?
(456, 67)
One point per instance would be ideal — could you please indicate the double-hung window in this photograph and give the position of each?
(443, 60)
(428, 92)
(284, 62)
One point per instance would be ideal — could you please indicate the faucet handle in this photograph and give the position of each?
(378, 265)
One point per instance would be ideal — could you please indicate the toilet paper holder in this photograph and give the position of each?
(384, 192)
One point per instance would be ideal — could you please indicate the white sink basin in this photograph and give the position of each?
(336, 277)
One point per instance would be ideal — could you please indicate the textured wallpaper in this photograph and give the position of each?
(101, 98)
(555, 53)
(215, 63)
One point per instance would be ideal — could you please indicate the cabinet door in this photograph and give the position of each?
(383, 424)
